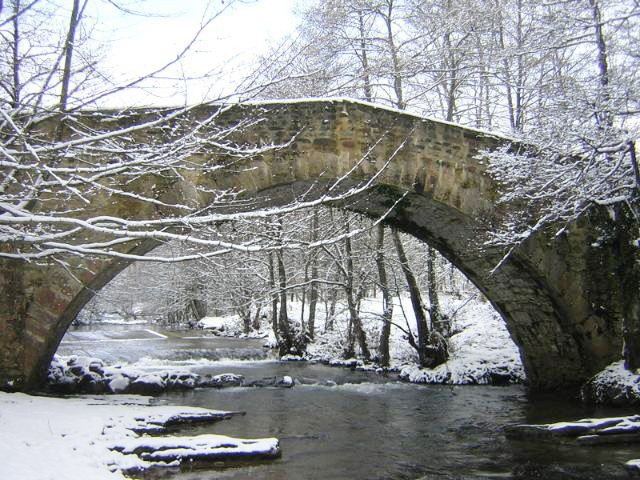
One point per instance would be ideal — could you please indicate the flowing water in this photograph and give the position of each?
(366, 426)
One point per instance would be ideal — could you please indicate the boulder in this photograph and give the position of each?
(149, 384)
(119, 384)
(226, 380)
(613, 386)
(218, 448)
(279, 382)
(182, 380)
(92, 382)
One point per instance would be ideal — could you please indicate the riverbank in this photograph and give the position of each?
(480, 347)
(615, 386)
(101, 438)
(326, 430)
(79, 374)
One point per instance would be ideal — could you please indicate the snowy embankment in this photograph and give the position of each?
(231, 326)
(614, 385)
(103, 437)
(481, 350)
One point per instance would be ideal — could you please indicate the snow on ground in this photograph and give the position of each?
(118, 319)
(158, 449)
(633, 465)
(481, 348)
(218, 323)
(481, 351)
(92, 437)
(231, 326)
(615, 385)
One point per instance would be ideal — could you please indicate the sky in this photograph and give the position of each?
(225, 49)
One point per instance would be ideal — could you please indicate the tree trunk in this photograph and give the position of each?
(358, 331)
(303, 300)
(313, 288)
(416, 303)
(439, 324)
(286, 340)
(506, 69)
(199, 308)
(68, 54)
(350, 347)
(333, 300)
(256, 318)
(452, 76)
(519, 121)
(245, 315)
(274, 298)
(387, 303)
(366, 73)
(395, 61)
(437, 320)
(15, 53)
(636, 170)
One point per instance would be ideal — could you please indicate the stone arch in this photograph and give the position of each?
(566, 323)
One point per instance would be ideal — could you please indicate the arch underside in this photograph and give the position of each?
(553, 349)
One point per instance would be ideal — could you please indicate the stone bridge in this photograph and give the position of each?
(564, 298)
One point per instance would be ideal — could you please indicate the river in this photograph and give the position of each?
(361, 425)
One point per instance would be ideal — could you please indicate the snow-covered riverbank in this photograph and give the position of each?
(481, 350)
(615, 385)
(97, 437)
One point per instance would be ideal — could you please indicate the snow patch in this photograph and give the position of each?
(160, 449)
(481, 349)
(119, 384)
(633, 464)
(74, 438)
(615, 385)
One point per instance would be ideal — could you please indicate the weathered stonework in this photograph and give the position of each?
(564, 298)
